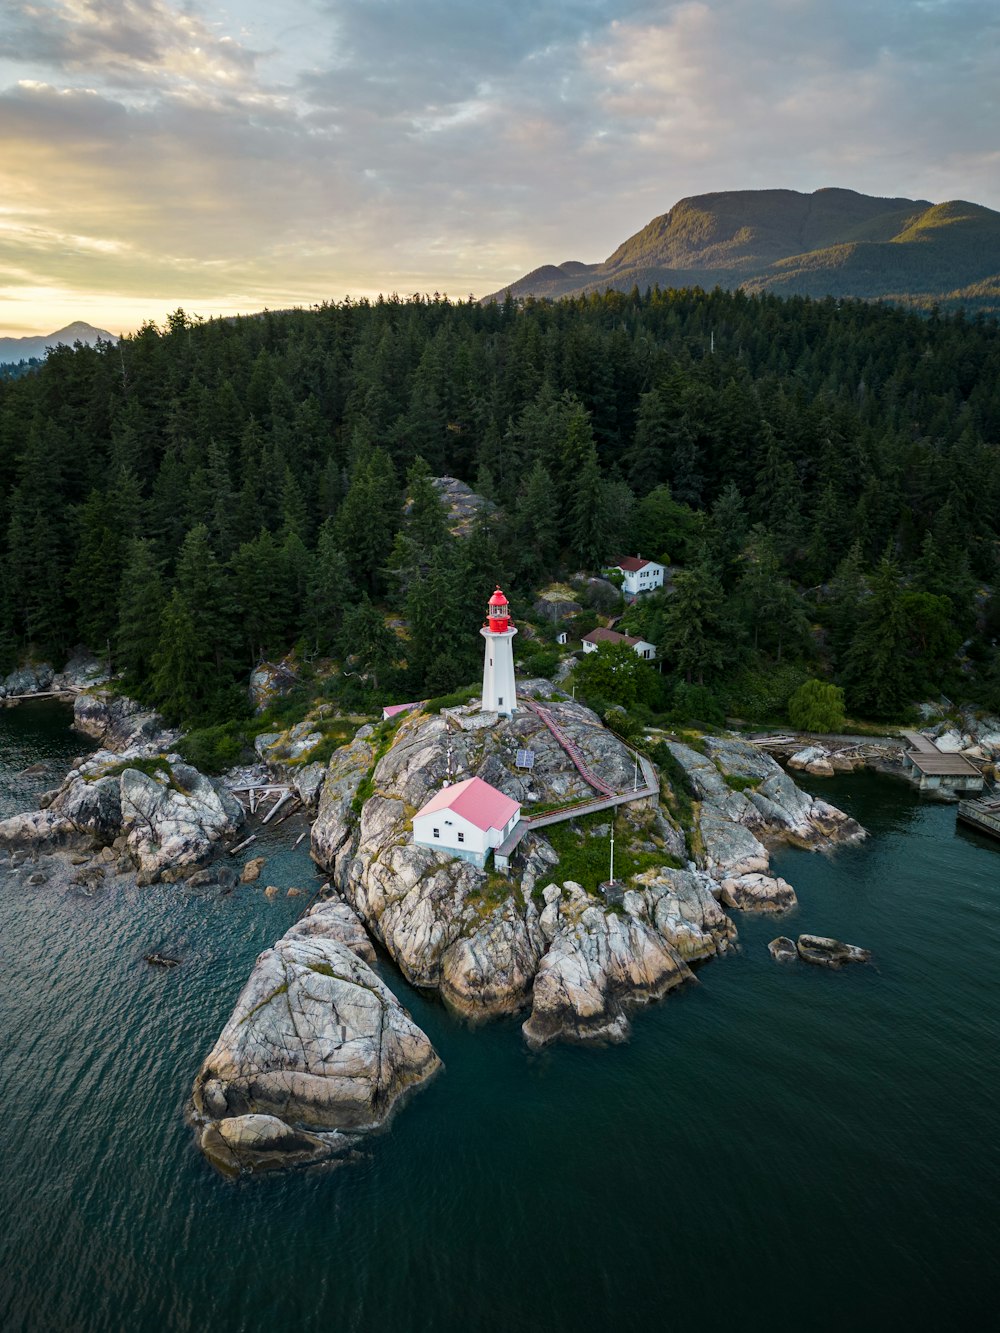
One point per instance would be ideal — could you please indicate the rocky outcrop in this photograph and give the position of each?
(164, 822)
(758, 893)
(238, 1145)
(599, 964)
(748, 801)
(336, 818)
(31, 679)
(462, 505)
(121, 724)
(317, 1044)
(826, 952)
(172, 824)
(272, 680)
(557, 604)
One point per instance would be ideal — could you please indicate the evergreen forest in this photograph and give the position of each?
(822, 477)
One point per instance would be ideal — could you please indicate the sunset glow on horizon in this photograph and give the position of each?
(227, 157)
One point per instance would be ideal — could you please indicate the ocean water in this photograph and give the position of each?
(777, 1147)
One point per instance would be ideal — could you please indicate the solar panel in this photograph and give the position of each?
(525, 759)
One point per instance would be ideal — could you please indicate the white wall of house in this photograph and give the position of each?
(449, 832)
(643, 580)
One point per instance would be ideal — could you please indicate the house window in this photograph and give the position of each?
(500, 699)
(461, 837)
(436, 832)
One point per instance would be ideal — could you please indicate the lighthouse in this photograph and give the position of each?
(499, 694)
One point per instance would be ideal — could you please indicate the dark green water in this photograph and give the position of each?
(776, 1148)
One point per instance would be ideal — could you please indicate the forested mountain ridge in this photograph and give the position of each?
(829, 243)
(205, 494)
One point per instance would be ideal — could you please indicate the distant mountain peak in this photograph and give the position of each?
(35, 346)
(833, 242)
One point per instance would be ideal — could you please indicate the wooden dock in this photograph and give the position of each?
(983, 816)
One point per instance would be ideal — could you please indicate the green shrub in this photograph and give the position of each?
(817, 706)
(453, 700)
(214, 749)
(758, 695)
(696, 703)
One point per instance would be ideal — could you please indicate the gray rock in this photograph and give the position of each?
(170, 828)
(32, 679)
(272, 680)
(758, 893)
(826, 952)
(783, 950)
(121, 724)
(556, 607)
(599, 965)
(93, 807)
(237, 1145)
(316, 1040)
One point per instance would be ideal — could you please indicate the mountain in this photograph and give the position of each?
(36, 348)
(829, 243)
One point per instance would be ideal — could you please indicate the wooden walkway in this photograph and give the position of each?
(527, 823)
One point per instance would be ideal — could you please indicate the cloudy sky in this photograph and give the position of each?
(231, 156)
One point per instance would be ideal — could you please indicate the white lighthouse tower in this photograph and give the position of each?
(499, 693)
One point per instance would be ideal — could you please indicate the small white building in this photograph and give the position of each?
(467, 819)
(641, 647)
(639, 575)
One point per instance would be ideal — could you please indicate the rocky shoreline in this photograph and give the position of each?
(318, 1050)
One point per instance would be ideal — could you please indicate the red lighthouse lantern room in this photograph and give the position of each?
(498, 615)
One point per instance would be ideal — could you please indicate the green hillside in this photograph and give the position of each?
(829, 243)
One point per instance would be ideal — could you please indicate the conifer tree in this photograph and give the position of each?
(140, 604)
(368, 641)
(695, 633)
(330, 590)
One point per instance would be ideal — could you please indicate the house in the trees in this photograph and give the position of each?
(467, 819)
(641, 647)
(639, 575)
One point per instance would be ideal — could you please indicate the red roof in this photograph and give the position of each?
(476, 801)
(390, 710)
(498, 599)
(602, 635)
(630, 564)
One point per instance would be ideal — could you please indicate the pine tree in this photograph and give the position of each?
(878, 671)
(184, 675)
(695, 632)
(140, 604)
(368, 641)
(330, 590)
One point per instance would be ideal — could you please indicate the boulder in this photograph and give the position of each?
(783, 950)
(952, 742)
(251, 869)
(91, 806)
(316, 1040)
(31, 679)
(173, 824)
(39, 829)
(826, 952)
(758, 893)
(272, 680)
(238, 1145)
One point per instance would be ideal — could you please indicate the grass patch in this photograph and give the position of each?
(382, 735)
(155, 767)
(735, 783)
(453, 700)
(585, 857)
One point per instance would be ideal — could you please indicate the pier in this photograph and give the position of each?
(983, 816)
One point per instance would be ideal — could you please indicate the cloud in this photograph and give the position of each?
(263, 154)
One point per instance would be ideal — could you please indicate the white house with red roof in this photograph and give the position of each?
(641, 647)
(467, 819)
(639, 575)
